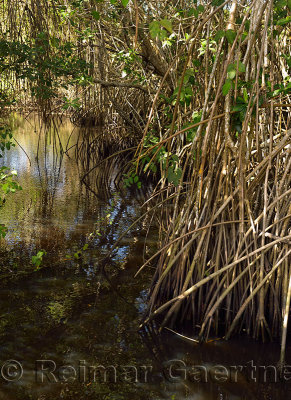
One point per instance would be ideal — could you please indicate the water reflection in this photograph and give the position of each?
(87, 311)
(52, 197)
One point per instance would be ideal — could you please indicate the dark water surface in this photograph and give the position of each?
(83, 319)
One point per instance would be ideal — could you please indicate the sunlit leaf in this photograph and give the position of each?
(245, 95)
(167, 25)
(284, 21)
(231, 71)
(154, 28)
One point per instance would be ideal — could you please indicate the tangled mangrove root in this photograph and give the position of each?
(224, 262)
(221, 267)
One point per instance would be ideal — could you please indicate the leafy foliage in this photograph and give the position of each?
(37, 260)
(45, 63)
(7, 183)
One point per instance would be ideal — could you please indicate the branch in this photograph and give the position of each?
(120, 84)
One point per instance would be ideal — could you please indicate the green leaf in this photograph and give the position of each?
(37, 260)
(245, 95)
(276, 92)
(162, 34)
(152, 167)
(241, 67)
(167, 25)
(231, 71)
(85, 247)
(289, 4)
(194, 12)
(171, 174)
(190, 135)
(219, 35)
(226, 87)
(280, 4)
(154, 28)
(95, 15)
(124, 2)
(238, 107)
(284, 21)
(175, 158)
(174, 176)
(230, 35)
(200, 8)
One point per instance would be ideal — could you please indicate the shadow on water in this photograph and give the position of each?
(84, 314)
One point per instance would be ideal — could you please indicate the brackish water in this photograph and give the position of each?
(81, 316)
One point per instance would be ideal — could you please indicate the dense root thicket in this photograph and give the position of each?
(224, 263)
